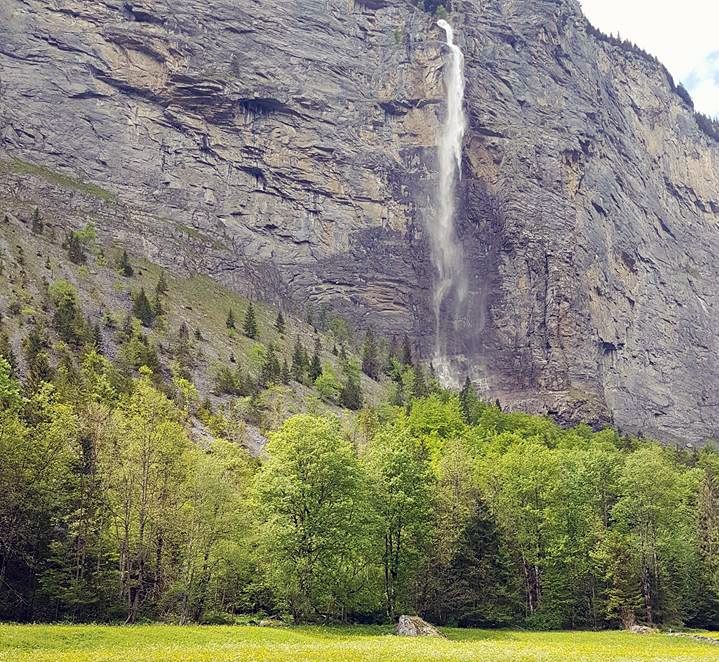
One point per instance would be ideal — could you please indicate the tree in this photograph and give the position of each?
(230, 321)
(315, 367)
(298, 361)
(10, 393)
(147, 462)
(124, 265)
(249, 327)
(280, 323)
(6, 350)
(406, 351)
(75, 248)
(400, 496)
(67, 319)
(38, 361)
(142, 309)
(420, 389)
(351, 393)
(309, 503)
(285, 374)
(37, 224)
(157, 308)
(328, 386)
(271, 370)
(161, 288)
(370, 358)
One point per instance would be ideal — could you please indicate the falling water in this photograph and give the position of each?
(446, 250)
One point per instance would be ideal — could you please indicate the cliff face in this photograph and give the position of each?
(288, 149)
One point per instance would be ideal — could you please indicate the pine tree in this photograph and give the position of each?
(37, 224)
(125, 266)
(161, 287)
(230, 321)
(249, 326)
(351, 393)
(285, 374)
(271, 370)
(406, 351)
(419, 387)
(370, 360)
(157, 307)
(298, 367)
(280, 323)
(142, 310)
(75, 248)
(315, 369)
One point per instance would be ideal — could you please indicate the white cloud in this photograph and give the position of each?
(683, 35)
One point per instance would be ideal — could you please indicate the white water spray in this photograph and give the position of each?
(446, 250)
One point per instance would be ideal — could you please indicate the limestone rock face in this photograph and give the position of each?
(287, 149)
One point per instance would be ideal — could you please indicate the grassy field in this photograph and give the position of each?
(165, 643)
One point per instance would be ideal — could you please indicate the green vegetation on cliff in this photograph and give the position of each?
(127, 408)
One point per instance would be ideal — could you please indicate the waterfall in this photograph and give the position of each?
(446, 250)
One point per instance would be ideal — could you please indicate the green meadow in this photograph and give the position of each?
(167, 643)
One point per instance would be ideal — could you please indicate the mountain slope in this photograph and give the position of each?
(287, 150)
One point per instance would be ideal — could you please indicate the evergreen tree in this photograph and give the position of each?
(285, 374)
(142, 309)
(249, 326)
(406, 351)
(271, 370)
(75, 248)
(280, 323)
(37, 224)
(315, 369)
(161, 287)
(419, 389)
(157, 307)
(351, 393)
(125, 266)
(230, 321)
(370, 358)
(298, 363)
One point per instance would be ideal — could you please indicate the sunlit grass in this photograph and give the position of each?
(166, 643)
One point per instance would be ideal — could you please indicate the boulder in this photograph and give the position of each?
(414, 626)
(643, 629)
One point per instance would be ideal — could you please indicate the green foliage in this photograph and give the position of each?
(328, 386)
(249, 326)
(124, 265)
(370, 357)
(309, 503)
(142, 309)
(280, 323)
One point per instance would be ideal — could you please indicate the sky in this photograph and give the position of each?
(683, 35)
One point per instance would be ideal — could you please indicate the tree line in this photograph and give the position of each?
(442, 505)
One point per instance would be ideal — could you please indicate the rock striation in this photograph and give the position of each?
(287, 149)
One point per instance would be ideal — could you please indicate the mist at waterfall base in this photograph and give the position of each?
(450, 287)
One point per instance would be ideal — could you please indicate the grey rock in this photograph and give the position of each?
(287, 149)
(414, 626)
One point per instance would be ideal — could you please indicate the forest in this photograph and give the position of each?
(443, 506)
